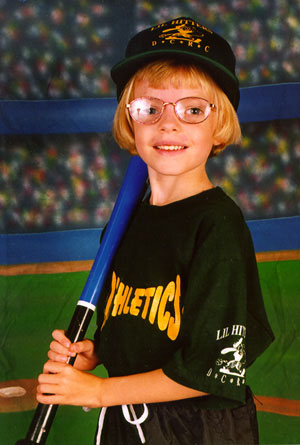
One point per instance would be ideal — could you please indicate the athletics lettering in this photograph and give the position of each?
(157, 304)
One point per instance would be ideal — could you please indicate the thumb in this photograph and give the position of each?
(82, 346)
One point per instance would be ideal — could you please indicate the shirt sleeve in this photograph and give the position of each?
(215, 322)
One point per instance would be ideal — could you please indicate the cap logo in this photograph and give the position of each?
(185, 32)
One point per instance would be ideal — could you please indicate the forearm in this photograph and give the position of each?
(62, 384)
(149, 387)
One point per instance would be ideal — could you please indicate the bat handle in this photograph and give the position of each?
(40, 425)
(44, 415)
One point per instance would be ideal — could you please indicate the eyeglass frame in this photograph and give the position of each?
(212, 107)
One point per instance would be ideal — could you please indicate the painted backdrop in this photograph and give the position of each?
(60, 172)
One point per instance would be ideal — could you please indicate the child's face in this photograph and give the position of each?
(155, 143)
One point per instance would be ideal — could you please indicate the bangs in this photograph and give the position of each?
(163, 73)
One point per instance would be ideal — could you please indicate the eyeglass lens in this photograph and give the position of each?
(148, 110)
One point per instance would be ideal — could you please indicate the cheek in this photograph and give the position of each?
(141, 135)
(203, 137)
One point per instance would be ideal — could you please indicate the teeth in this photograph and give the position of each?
(170, 147)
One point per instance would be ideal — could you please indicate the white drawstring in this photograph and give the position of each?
(100, 425)
(136, 421)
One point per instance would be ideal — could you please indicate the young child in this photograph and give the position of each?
(181, 316)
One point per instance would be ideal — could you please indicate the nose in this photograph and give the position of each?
(169, 121)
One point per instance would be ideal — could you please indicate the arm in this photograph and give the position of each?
(148, 387)
(69, 386)
(72, 386)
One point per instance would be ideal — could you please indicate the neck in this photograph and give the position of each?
(168, 189)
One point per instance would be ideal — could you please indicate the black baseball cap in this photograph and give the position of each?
(183, 39)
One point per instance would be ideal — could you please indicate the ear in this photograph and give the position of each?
(217, 141)
(216, 149)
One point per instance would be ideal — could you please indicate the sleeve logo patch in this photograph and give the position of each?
(235, 364)
(230, 365)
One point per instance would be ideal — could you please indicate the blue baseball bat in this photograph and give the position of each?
(130, 194)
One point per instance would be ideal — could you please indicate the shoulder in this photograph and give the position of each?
(223, 226)
(221, 211)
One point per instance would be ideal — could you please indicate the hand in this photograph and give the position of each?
(61, 384)
(61, 349)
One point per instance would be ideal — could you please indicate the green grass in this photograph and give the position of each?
(31, 306)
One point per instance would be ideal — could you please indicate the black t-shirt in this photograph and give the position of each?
(183, 295)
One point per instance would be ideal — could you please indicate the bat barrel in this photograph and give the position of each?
(130, 194)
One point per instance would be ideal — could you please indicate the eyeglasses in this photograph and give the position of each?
(148, 110)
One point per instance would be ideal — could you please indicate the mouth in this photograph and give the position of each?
(170, 147)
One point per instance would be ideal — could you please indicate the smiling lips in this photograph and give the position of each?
(170, 147)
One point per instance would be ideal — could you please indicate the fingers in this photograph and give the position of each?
(63, 385)
(48, 383)
(54, 374)
(55, 383)
(60, 347)
(60, 337)
(50, 399)
(59, 353)
(84, 346)
(61, 350)
(53, 367)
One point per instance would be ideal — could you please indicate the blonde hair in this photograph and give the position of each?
(162, 73)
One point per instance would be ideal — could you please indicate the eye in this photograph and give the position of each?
(195, 111)
(151, 110)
